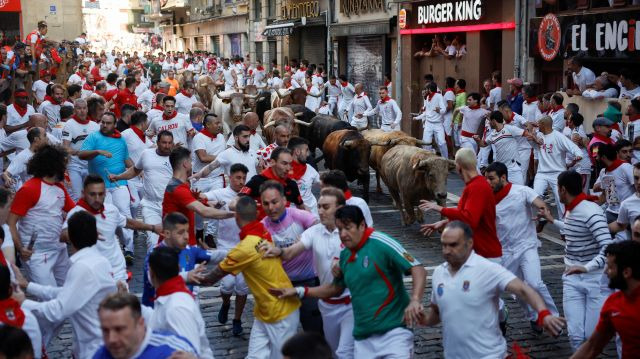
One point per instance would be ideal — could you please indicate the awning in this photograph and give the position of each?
(10, 6)
(278, 29)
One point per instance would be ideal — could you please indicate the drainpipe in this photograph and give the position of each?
(516, 65)
(398, 83)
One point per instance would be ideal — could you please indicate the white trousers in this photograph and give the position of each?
(582, 299)
(48, 266)
(266, 339)
(234, 284)
(337, 324)
(468, 142)
(447, 125)
(434, 132)
(136, 190)
(525, 156)
(544, 180)
(483, 156)
(394, 344)
(526, 266)
(76, 175)
(121, 198)
(343, 107)
(151, 214)
(456, 134)
(515, 173)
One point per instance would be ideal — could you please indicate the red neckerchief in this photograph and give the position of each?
(386, 83)
(501, 194)
(474, 107)
(449, 89)
(270, 175)
(386, 99)
(347, 194)
(362, 95)
(252, 132)
(80, 74)
(185, 93)
(309, 88)
(303, 69)
(363, 240)
(11, 313)
(317, 75)
(92, 119)
(498, 85)
(158, 107)
(556, 108)
(297, 170)
(579, 198)
(171, 286)
(633, 118)
(82, 203)
(530, 101)
(140, 134)
(255, 228)
(430, 96)
(344, 84)
(260, 68)
(115, 134)
(78, 120)
(206, 132)
(615, 164)
(87, 86)
(172, 116)
(20, 110)
(616, 127)
(604, 139)
(50, 99)
(513, 115)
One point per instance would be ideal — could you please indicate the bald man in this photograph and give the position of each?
(359, 105)
(256, 143)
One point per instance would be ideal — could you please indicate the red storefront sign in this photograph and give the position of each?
(10, 6)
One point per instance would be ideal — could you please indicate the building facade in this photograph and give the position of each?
(20, 17)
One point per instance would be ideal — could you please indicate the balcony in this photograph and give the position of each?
(173, 4)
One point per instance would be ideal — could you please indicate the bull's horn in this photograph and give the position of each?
(245, 110)
(422, 163)
(298, 114)
(422, 143)
(287, 93)
(250, 96)
(269, 124)
(260, 99)
(347, 143)
(377, 143)
(300, 122)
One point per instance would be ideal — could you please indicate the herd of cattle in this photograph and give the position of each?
(410, 172)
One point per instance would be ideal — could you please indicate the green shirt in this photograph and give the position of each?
(374, 279)
(461, 100)
(155, 70)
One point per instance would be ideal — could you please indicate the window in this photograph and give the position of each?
(257, 8)
(272, 8)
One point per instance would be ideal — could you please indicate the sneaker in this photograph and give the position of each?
(535, 327)
(128, 257)
(223, 314)
(237, 327)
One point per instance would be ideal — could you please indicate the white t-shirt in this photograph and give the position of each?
(233, 155)
(364, 207)
(584, 78)
(630, 94)
(553, 152)
(75, 79)
(448, 96)
(40, 89)
(14, 118)
(108, 244)
(617, 185)
(135, 144)
(157, 172)
(468, 307)
(505, 143)
(629, 210)
(312, 102)
(76, 133)
(179, 126)
(305, 184)
(472, 118)
(256, 142)
(228, 231)
(18, 167)
(516, 230)
(495, 96)
(184, 103)
(211, 147)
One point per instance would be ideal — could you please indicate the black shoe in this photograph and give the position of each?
(128, 257)
(535, 327)
(223, 314)
(540, 225)
(209, 241)
(237, 327)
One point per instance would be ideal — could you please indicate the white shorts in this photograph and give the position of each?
(234, 284)
(394, 344)
(266, 339)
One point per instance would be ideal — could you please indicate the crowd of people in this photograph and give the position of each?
(122, 149)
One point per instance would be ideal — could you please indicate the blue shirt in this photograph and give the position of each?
(103, 166)
(515, 103)
(188, 259)
(157, 345)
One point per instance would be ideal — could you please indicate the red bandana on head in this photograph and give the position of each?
(255, 228)
(82, 203)
(171, 286)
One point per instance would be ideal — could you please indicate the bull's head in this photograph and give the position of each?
(236, 106)
(361, 147)
(434, 171)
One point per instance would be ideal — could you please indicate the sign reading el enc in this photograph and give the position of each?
(295, 10)
(454, 11)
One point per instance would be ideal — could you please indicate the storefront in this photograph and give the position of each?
(307, 38)
(361, 42)
(605, 38)
(479, 33)
(11, 20)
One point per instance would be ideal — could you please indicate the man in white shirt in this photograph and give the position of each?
(185, 98)
(449, 95)
(314, 95)
(51, 105)
(39, 87)
(334, 93)
(582, 76)
(465, 293)
(346, 97)
(432, 119)
(629, 208)
(137, 142)
(303, 173)
(259, 74)
(359, 105)
(178, 124)
(628, 84)
(74, 132)
(146, 99)
(575, 131)
(228, 238)
(78, 78)
(337, 179)
(387, 108)
(16, 174)
(275, 82)
(238, 153)
(554, 147)
(256, 143)
(154, 165)
(473, 116)
(517, 234)
(495, 94)
(556, 112)
(19, 111)
(175, 309)
(323, 239)
(523, 152)
(88, 281)
(228, 76)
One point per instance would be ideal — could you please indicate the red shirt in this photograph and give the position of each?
(177, 196)
(123, 97)
(621, 314)
(95, 71)
(477, 208)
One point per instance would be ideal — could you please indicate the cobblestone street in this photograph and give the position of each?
(428, 342)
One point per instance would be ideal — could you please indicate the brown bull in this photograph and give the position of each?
(280, 116)
(412, 174)
(390, 139)
(348, 151)
(206, 89)
(289, 97)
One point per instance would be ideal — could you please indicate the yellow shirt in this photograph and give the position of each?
(174, 86)
(261, 274)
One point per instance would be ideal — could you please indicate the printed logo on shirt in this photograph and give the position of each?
(365, 262)
(440, 289)
(408, 257)
(465, 286)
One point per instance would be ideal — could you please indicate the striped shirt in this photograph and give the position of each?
(587, 236)
(506, 143)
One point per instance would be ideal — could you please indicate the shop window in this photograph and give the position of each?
(609, 3)
(450, 45)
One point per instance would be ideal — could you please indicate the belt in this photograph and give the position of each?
(467, 134)
(343, 300)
